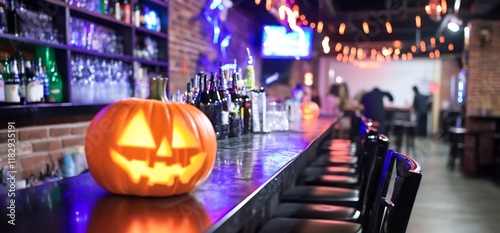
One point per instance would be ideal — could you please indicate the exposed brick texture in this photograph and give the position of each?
(41, 145)
(190, 36)
(58, 132)
(483, 88)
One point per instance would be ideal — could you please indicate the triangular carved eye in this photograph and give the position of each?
(182, 136)
(137, 133)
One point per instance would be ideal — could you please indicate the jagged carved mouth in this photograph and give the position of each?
(159, 172)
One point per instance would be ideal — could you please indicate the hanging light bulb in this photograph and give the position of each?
(433, 42)
(302, 17)
(353, 50)
(312, 25)
(444, 5)
(403, 56)
(366, 28)
(395, 57)
(397, 44)
(410, 56)
(441, 39)
(431, 55)
(320, 27)
(388, 27)
(346, 50)
(360, 54)
(428, 9)
(437, 53)
(326, 44)
(397, 51)
(342, 28)
(450, 47)
(418, 21)
(339, 57)
(423, 47)
(414, 48)
(257, 2)
(338, 47)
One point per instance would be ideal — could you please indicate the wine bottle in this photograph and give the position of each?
(13, 18)
(246, 108)
(42, 76)
(225, 101)
(22, 76)
(216, 102)
(33, 93)
(235, 122)
(12, 82)
(189, 94)
(2, 85)
(4, 24)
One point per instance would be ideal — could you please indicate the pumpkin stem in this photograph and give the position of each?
(158, 89)
(153, 89)
(162, 89)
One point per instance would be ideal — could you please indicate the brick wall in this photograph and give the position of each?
(190, 36)
(41, 145)
(483, 88)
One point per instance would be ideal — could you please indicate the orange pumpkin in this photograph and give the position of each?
(135, 215)
(150, 148)
(310, 110)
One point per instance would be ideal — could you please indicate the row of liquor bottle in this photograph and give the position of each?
(140, 16)
(232, 107)
(25, 81)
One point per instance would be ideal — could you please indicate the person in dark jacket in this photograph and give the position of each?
(420, 105)
(373, 107)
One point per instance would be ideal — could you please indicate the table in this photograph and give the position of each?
(496, 142)
(249, 174)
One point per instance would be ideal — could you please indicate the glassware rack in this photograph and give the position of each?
(79, 34)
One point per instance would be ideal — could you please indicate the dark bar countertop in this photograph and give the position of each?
(249, 173)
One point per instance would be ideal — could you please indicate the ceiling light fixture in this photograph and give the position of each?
(418, 21)
(388, 27)
(366, 28)
(342, 28)
(320, 27)
(453, 26)
(414, 48)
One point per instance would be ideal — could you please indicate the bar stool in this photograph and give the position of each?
(404, 132)
(457, 145)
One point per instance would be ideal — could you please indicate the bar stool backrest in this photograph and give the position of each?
(391, 215)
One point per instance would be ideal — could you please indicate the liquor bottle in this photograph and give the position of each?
(249, 72)
(42, 76)
(11, 82)
(104, 7)
(115, 9)
(225, 101)
(189, 94)
(55, 81)
(22, 75)
(2, 85)
(216, 102)
(126, 11)
(13, 18)
(4, 24)
(246, 106)
(235, 122)
(33, 93)
(136, 17)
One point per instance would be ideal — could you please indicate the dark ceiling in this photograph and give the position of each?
(400, 13)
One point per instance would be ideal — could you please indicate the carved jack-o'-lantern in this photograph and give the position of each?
(150, 148)
(310, 110)
(134, 215)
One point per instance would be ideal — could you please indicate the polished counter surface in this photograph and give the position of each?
(247, 171)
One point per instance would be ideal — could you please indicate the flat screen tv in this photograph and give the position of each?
(278, 42)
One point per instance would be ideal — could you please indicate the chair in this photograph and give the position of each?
(387, 216)
(334, 195)
(360, 213)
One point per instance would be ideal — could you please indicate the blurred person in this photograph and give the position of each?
(420, 106)
(373, 107)
(315, 96)
(331, 103)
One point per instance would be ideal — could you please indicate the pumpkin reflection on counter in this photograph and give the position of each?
(126, 214)
(310, 110)
(150, 147)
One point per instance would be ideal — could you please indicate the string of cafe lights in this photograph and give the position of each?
(435, 9)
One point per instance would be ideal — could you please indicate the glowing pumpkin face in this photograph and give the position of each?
(150, 148)
(135, 215)
(310, 110)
